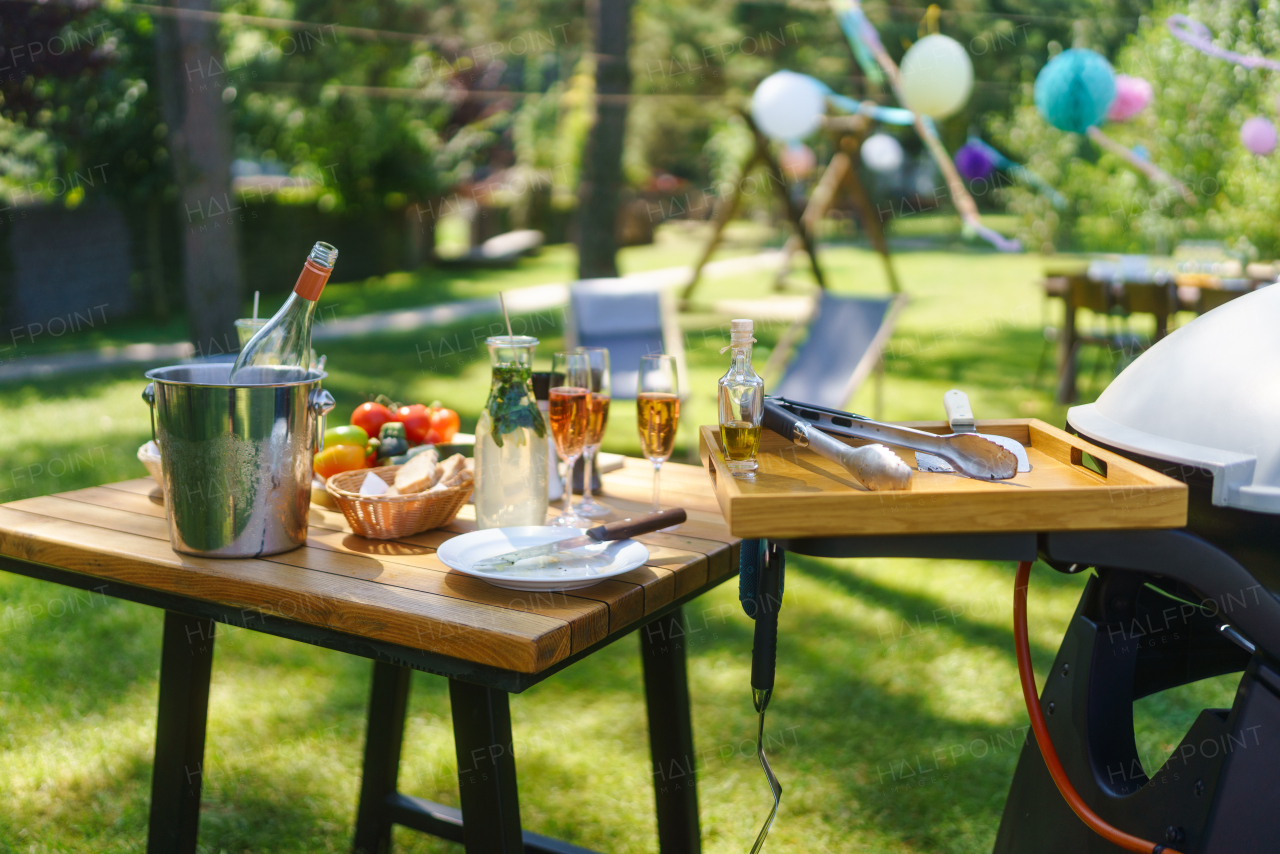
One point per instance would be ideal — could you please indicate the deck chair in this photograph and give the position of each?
(847, 336)
(631, 319)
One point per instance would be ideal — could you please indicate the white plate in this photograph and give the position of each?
(588, 565)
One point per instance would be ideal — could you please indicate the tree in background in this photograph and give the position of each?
(393, 104)
(602, 161)
(548, 132)
(187, 55)
(1191, 130)
(701, 61)
(82, 117)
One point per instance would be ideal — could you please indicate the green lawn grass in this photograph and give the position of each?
(868, 683)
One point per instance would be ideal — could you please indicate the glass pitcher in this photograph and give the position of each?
(511, 441)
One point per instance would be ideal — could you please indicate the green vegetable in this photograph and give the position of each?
(511, 406)
(347, 434)
(401, 459)
(392, 439)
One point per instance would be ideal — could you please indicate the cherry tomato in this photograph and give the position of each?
(444, 423)
(417, 422)
(371, 416)
(336, 459)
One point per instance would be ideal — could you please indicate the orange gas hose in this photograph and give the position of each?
(1032, 697)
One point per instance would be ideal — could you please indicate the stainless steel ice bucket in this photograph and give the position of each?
(236, 458)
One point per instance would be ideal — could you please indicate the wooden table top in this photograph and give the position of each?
(393, 591)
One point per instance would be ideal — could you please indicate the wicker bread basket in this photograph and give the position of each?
(385, 517)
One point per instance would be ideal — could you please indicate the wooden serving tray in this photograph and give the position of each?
(1072, 486)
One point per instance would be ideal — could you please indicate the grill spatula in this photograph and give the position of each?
(960, 417)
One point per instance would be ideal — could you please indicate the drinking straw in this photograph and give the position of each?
(502, 302)
(255, 304)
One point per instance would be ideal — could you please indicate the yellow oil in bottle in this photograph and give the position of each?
(741, 440)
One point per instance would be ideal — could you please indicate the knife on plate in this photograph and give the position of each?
(620, 530)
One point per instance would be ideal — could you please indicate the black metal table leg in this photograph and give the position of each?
(666, 688)
(486, 769)
(388, 704)
(186, 663)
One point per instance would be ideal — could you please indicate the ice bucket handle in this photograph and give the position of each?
(149, 395)
(321, 403)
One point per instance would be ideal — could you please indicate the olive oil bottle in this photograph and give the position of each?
(741, 403)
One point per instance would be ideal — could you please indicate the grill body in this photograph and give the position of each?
(1145, 623)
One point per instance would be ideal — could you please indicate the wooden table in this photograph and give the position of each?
(396, 603)
(1162, 299)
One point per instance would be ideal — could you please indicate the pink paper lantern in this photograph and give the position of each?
(1258, 135)
(797, 161)
(1132, 96)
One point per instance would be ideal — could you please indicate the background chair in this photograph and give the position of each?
(631, 319)
(847, 336)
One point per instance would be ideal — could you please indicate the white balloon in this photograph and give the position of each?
(881, 153)
(936, 77)
(787, 106)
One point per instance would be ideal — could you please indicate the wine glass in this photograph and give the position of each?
(657, 412)
(569, 412)
(598, 358)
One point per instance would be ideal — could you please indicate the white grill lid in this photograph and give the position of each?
(1207, 396)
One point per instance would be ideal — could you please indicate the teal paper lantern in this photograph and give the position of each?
(1074, 90)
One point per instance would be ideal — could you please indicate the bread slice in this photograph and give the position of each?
(451, 469)
(418, 474)
(463, 478)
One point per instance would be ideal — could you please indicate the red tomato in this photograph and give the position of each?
(336, 459)
(371, 416)
(417, 422)
(444, 422)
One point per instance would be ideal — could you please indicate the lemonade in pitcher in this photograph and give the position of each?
(511, 441)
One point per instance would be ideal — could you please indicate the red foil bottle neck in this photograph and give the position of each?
(312, 280)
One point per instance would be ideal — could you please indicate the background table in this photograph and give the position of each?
(396, 603)
(1112, 291)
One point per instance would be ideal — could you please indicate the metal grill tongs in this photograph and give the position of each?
(968, 453)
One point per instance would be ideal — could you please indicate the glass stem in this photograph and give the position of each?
(657, 484)
(568, 485)
(587, 456)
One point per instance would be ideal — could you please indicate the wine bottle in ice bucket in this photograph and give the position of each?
(285, 340)
(511, 441)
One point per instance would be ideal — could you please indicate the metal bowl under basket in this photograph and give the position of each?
(386, 517)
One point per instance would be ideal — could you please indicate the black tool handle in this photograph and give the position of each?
(780, 420)
(764, 647)
(625, 528)
(764, 651)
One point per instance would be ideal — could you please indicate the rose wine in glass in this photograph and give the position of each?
(597, 418)
(569, 410)
(657, 413)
